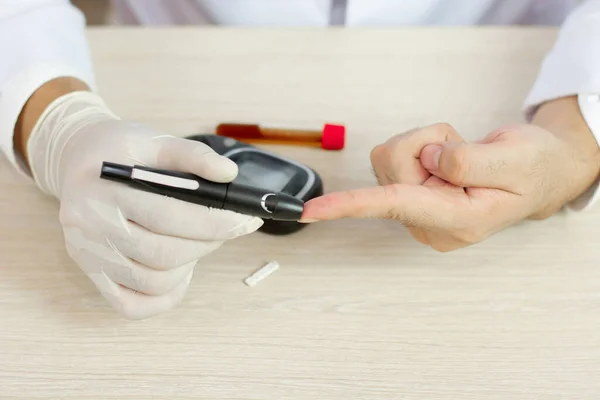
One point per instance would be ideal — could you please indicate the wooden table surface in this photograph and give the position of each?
(358, 309)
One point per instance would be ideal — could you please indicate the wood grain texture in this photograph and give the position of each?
(358, 310)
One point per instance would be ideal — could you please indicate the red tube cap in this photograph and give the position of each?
(334, 137)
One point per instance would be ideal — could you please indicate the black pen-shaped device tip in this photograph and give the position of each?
(288, 208)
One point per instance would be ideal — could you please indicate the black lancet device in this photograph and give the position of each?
(267, 186)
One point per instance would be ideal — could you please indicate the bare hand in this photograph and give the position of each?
(451, 194)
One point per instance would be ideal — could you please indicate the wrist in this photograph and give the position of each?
(60, 123)
(35, 106)
(563, 118)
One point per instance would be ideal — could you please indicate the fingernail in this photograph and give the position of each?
(436, 157)
(430, 156)
(307, 220)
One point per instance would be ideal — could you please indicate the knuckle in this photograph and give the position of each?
(376, 154)
(382, 164)
(410, 133)
(445, 128)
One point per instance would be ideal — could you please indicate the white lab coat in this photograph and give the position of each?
(347, 12)
(43, 39)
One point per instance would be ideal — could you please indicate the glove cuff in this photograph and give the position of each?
(59, 122)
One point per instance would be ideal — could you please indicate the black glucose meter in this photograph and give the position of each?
(262, 169)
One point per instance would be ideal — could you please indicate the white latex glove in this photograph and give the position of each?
(139, 248)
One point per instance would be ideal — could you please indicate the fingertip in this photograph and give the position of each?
(217, 168)
(316, 209)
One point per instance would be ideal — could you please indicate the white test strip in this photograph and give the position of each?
(262, 273)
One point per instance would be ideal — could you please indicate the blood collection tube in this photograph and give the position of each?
(331, 137)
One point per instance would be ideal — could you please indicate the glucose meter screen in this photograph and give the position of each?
(271, 177)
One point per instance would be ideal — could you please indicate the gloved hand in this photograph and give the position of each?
(139, 249)
(451, 194)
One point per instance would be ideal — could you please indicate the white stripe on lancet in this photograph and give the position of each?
(167, 180)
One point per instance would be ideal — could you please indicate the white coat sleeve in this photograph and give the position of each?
(40, 40)
(572, 67)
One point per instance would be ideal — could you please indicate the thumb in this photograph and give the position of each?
(489, 165)
(195, 157)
